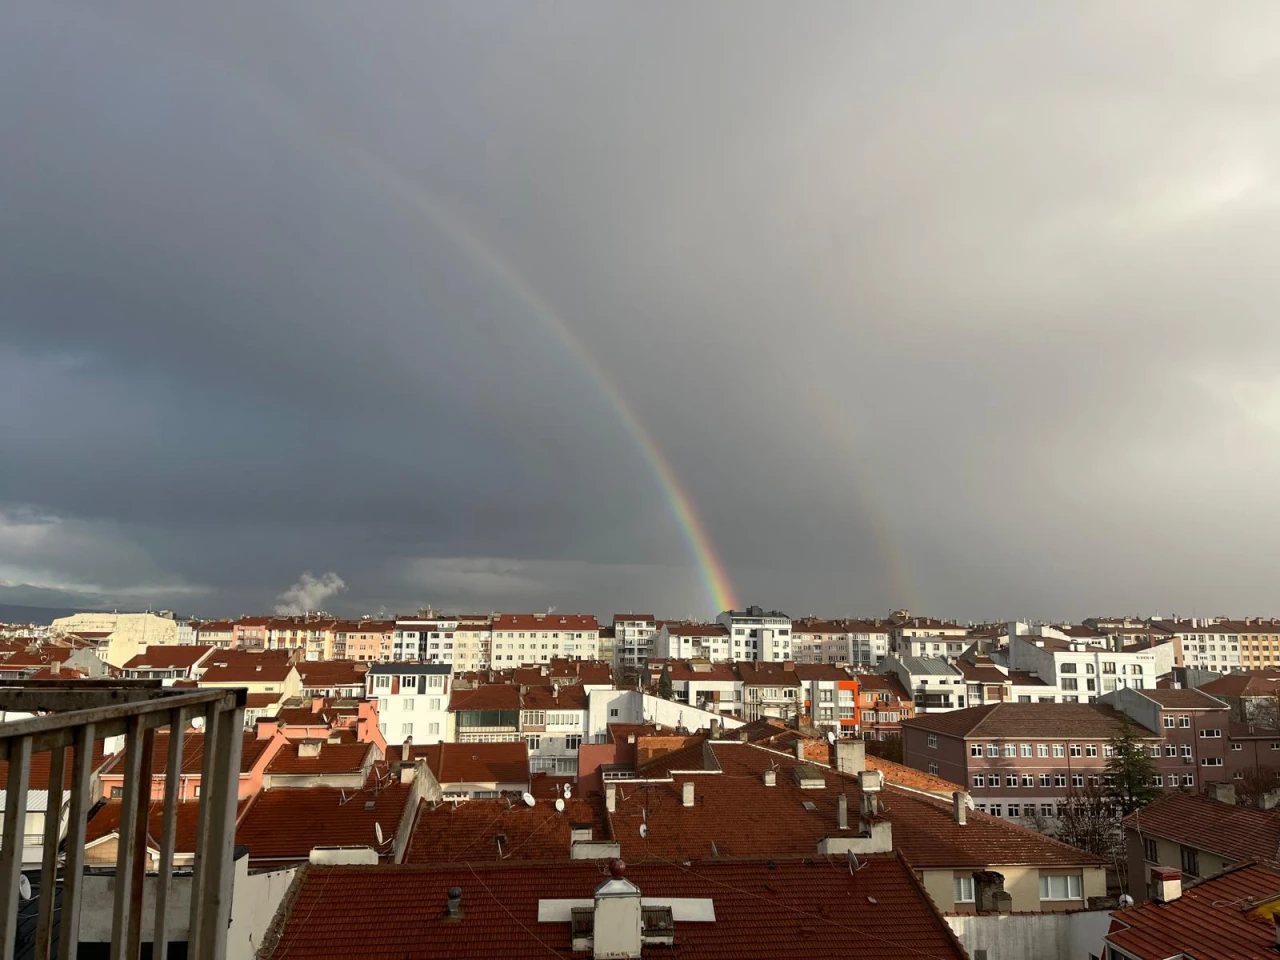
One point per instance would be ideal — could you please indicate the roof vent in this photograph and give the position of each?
(453, 905)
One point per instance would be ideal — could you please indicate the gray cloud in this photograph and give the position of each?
(963, 309)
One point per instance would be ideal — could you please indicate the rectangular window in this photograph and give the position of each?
(1046, 780)
(1010, 749)
(933, 741)
(1158, 780)
(1237, 746)
(1191, 861)
(1186, 750)
(1075, 750)
(975, 749)
(1042, 749)
(1091, 750)
(1028, 780)
(1210, 734)
(1015, 810)
(1058, 750)
(993, 750)
(1047, 810)
(1170, 750)
(963, 889)
(1210, 761)
(1026, 749)
(1077, 779)
(1059, 779)
(1060, 887)
(1184, 722)
(1169, 722)
(933, 769)
(1188, 780)
(1011, 780)
(979, 780)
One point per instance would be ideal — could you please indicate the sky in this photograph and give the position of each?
(968, 309)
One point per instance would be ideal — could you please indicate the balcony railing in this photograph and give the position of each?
(77, 713)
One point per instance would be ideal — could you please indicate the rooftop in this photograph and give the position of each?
(927, 666)
(285, 823)
(761, 909)
(239, 666)
(251, 751)
(404, 669)
(490, 696)
(168, 657)
(1213, 918)
(478, 762)
(332, 758)
(331, 673)
(1259, 683)
(1236, 832)
(1186, 699)
(1029, 721)
(500, 829)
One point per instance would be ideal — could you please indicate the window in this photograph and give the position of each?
(975, 749)
(433, 728)
(1075, 750)
(534, 742)
(1059, 779)
(1070, 683)
(933, 741)
(979, 780)
(997, 810)
(1028, 780)
(1237, 746)
(406, 729)
(407, 704)
(1158, 780)
(1186, 749)
(1047, 810)
(1042, 749)
(1275, 746)
(1060, 887)
(117, 793)
(1108, 751)
(572, 742)
(1058, 750)
(1184, 721)
(933, 769)
(1026, 749)
(1191, 861)
(1068, 668)
(1210, 761)
(1046, 780)
(1010, 781)
(1090, 749)
(1210, 734)
(1170, 750)
(1077, 779)
(993, 750)
(613, 712)
(963, 887)
(1010, 749)
(1168, 722)
(1187, 781)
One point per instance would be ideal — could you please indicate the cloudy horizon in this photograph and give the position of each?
(962, 309)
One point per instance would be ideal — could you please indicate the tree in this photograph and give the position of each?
(1255, 785)
(1129, 772)
(664, 682)
(1087, 819)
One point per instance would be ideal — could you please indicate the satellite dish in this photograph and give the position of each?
(377, 829)
(197, 722)
(559, 805)
(1125, 899)
(831, 736)
(644, 831)
(24, 887)
(568, 791)
(528, 799)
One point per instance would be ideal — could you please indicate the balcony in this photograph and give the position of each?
(75, 714)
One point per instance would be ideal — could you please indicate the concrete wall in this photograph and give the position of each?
(1021, 883)
(657, 710)
(254, 903)
(1045, 936)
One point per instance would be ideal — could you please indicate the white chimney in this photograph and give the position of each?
(616, 928)
(800, 749)
(842, 812)
(771, 778)
(959, 805)
(611, 797)
(686, 793)
(851, 756)
(1166, 884)
(309, 748)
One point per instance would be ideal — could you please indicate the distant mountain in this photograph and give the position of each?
(12, 613)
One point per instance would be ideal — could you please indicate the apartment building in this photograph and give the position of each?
(769, 690)
(633, 639)
(529, 638)
(426, 638)
(364, 641)
(1194, 727)
(471, 642)
(120, 636)
(934, 684)
(757, 634)
(413, 700)
(1086, 671)
(926, 637)
(715, 687)
(168, 664)
(857, 642)
(684, 641)
(830, 697)
(883, 703)
(250, 633)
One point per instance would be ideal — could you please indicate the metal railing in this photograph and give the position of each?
(76, 714)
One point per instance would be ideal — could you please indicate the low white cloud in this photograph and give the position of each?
(310, 593)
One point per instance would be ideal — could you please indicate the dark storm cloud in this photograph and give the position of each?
(968, 309)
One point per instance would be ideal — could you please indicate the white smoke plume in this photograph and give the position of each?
(309, 593)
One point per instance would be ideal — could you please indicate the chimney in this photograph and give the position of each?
(743, 736)
(960, 806)
(309, 748)
(988, 891)
(1166, 884)
(611, 797)
(800, 749)
(771, 778)
(616, 923)
(406, 751)
(453, 907)
(851, 756)
(1222, 792)
(686, 793)
(842, 811)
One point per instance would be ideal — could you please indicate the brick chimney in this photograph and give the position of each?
(1166, 884)
(989, 892)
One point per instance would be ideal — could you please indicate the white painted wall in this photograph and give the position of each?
(1045, 936)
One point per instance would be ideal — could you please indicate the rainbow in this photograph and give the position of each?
(715, 579)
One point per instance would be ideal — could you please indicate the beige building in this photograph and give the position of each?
(122, 636)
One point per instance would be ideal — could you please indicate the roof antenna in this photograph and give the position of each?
(715, 852)
(343, 794)
(854, 865)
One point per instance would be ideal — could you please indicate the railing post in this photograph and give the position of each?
(141, 831)
(15, 818)
(73, 868)
(126, 839)
(211, 745)
(49, 862)
(172, 786)
(219, 872)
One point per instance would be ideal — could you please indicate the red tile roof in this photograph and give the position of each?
(240, 666)
(332, 758)
(1213, 918)
(107, 820)
(285, 823)
(767, 672)
(168, 657)
(251, 751)
(39, 769)
(540, 698)
(1030, 721)
(882, 682)
(1259, 683)
(761, 910)
(478, 762)
(904, 776)
(258, 701)
(332, 673)
(717, 630)
(545, 621)
(807, 672)
(489, 696)
(453, 833)
(1185, 699)
(746, 818)
(1236, 832)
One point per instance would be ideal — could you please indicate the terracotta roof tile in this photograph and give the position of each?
(1186, 699)
(107, 820)
(453, 833)
(1258, 683)
(39, 769)
(332, 673)
(761, 909)
(285, 823)
(904, 776)
(1236, 832)
(489, 696)
(168, 657)
(1029, 720)
(1212, 918)
(332, 758)
(478, 762)
(240, 666)
(251, 751)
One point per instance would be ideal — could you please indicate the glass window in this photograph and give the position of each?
(963, 887)
(1060, 887)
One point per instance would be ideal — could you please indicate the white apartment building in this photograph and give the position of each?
(935, 685)
(633, 639)
(520, 639)
(714, 687)
(1214, 643)
(413, 700)
(121, 636)
(429, 639)
(864, 642)
(685, 641)
(1082, 672)
(757, 634)
(830, 697)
